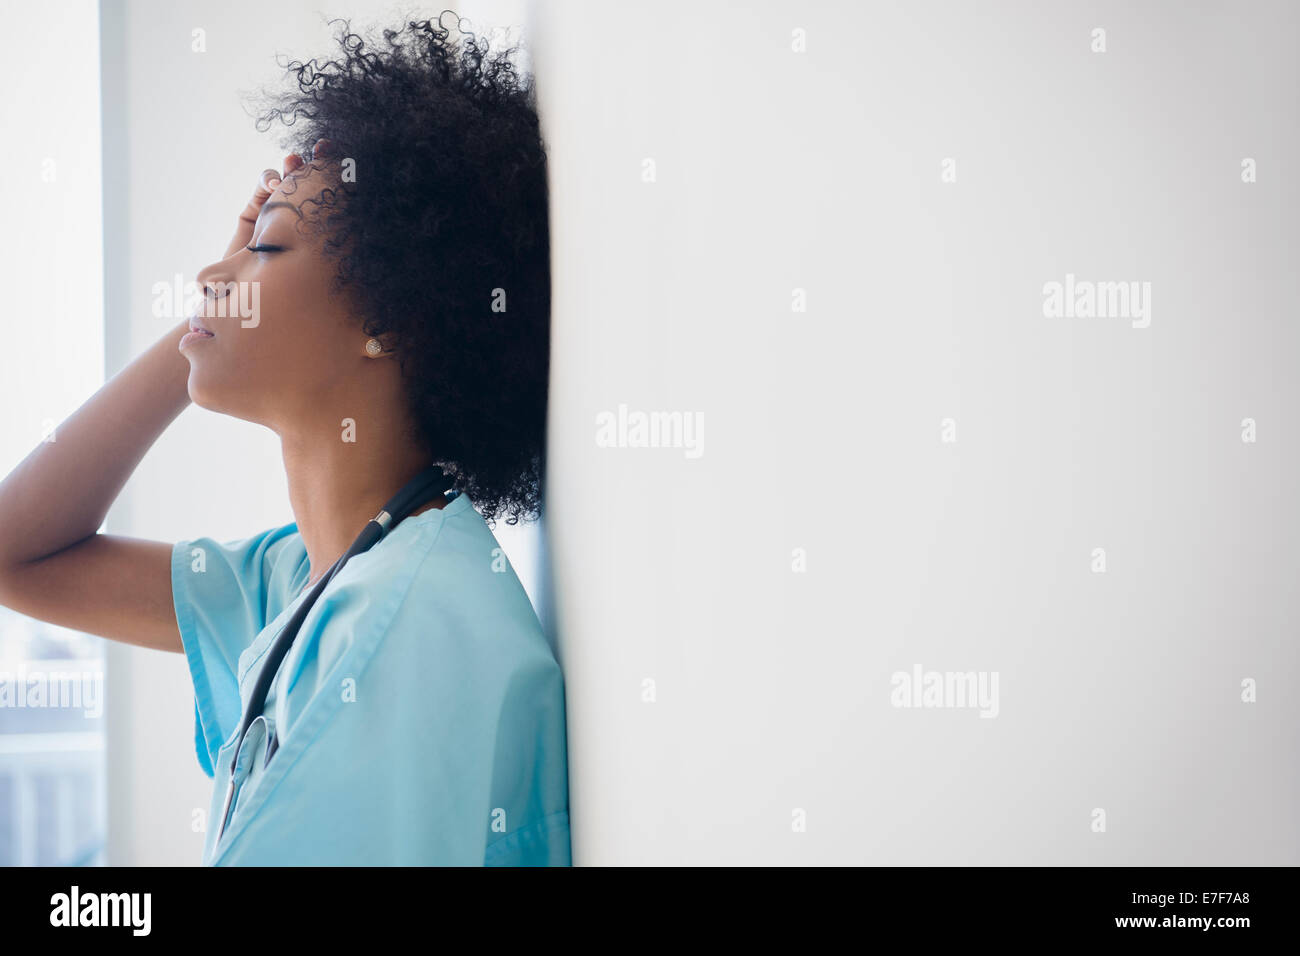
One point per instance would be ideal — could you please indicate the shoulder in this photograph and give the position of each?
(438, 588)
(462, 564)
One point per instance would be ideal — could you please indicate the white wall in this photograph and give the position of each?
(820, 170)
(182, 158)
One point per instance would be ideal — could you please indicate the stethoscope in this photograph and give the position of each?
(415, 493)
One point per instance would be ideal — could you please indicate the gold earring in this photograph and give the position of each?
(374, 347)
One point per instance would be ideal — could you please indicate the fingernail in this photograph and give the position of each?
(272, 184)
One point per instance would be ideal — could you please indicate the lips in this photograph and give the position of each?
(198, 332)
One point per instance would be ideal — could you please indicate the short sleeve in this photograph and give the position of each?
(224, 593)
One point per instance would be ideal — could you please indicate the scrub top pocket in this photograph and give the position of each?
(251, 760)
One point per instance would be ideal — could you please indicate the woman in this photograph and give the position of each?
(399, 273)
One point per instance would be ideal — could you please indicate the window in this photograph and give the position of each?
(52, 780)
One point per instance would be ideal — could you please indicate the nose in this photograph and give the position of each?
(216, 282)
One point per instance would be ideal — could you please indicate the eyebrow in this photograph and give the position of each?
(279, 205)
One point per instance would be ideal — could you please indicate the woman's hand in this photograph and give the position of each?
(266, 184)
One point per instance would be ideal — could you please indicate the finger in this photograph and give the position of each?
(266, 184)
(292, 163)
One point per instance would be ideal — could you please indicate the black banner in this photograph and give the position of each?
(1149, 905)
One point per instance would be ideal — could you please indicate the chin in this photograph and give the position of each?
(236, 396)
(215, 396)
(200, 394)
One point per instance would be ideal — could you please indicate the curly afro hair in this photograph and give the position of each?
(440, 231)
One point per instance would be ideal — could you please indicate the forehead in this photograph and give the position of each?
(307, 182)
(297, 196)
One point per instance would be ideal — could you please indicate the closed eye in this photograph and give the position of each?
(264, 248)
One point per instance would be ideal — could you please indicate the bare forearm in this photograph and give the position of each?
(61, 492)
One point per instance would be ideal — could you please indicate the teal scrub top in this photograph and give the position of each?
(420, 709)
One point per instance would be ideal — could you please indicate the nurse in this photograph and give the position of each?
(401, 269)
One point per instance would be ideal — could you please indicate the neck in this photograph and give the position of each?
(336, 486)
